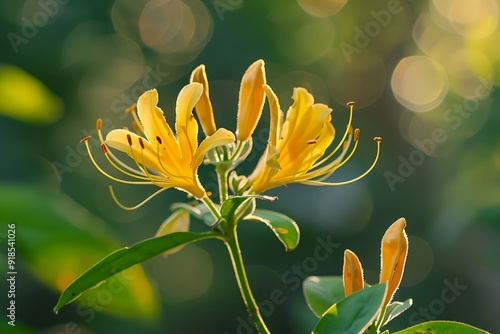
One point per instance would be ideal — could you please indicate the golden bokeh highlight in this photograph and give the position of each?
(322, 8)
(474, 19)
(419, 83)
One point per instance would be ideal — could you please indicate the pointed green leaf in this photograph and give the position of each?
(322, 292)
(442, 327)
(125, 258)
(394, 309)
(353, 314)
(284, 227)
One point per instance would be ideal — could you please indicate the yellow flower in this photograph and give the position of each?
(393, 257)
(250, 104)
(352, 274)
(296, 151)
(160, 157)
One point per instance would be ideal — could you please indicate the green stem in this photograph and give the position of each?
(211, 206)
(241, 276)
(222, 173)
(238, 150)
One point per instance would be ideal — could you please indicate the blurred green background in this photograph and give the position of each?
(424, 75)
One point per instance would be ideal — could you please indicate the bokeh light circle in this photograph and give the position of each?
(471, 18)
(322, 8)
(419, 83)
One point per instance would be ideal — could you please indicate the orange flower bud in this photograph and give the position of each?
(393, 257)
(204, 105)
(251, 100)
(352, 273)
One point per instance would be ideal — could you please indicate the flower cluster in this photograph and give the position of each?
(298, 151)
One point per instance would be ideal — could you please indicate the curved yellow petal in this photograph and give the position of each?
(147, 156)
(251, 100)
(393, 257)
(352, 274)
(220, 137)
(302, 100)
(204, 108)
(154, 124)
(185, 124)
(276, 116)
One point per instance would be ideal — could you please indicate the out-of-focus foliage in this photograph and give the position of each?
(58, 240)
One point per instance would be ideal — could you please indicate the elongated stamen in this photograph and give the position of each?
(345, 145)
(335, 164)
(129, 171)
(378, 140)
(111, 157)
(124, 207)
(85, 140)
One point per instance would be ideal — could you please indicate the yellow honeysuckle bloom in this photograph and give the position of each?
(393, 257)
(297, 146)
(250, 104)
(161, 157)
(352, 273)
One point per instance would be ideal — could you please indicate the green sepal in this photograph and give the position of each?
(321, 292)
(353, 314)
(125, 258)
(285, 228)
(442, 327)
(394, 309)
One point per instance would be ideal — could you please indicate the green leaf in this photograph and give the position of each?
(394, 309)
(321, 292)
(125, 258)
(26, 98)
(58, 239)
(442, 327)
(353, 314)
(284, 227)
